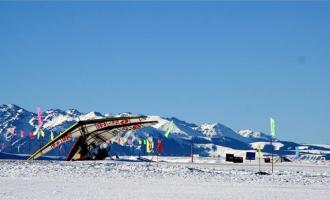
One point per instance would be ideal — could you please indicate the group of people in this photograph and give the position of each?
(98, 152)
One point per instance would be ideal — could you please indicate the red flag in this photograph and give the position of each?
(22, 134)
(159, 146)
(31, 134)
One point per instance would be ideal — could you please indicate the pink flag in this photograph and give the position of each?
(39, 116)
(22, 134)
(3, 146)
(11, 130)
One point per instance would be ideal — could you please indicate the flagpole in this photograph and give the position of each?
(272, 135)
(157, 159)
(191, 152)
(271, 144)
(259, 164)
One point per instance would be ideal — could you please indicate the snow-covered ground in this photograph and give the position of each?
(168, 180)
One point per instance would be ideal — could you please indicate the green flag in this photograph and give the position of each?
(259, 150)
(148, 146)
(42, 133)
(169, 129)
(51, 136)
(272, 127)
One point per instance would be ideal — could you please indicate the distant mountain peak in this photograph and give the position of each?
(247, 133)
(8, 107)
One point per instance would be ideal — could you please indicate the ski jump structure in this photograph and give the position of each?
(92, 132)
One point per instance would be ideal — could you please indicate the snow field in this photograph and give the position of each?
(142, 180)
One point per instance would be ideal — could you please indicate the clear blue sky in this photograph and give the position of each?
(234, 63)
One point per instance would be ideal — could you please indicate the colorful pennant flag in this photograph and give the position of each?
(151, 145)
(22, 134)
(39, 113)
(159, 146)
(147, 143)
(40, 133)
(51, 136)
(272, 127)
(31, 134)
(259, 150)
(169, 129)
(11, 130)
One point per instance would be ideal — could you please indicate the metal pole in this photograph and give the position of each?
(271, 143)
(191, 152)
(259, 164)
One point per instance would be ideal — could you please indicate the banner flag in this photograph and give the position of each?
(11, 130)
(151, 143)
(51, 136)
(169, 129)
(259, 150)
(42, 133)
(22, 134)
(159, 146)
(39, 113)
(31, 134)
(272, 127)
(147, 146)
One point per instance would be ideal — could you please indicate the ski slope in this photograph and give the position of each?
(177, 179)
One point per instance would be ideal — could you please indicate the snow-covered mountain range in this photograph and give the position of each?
(17, 125)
